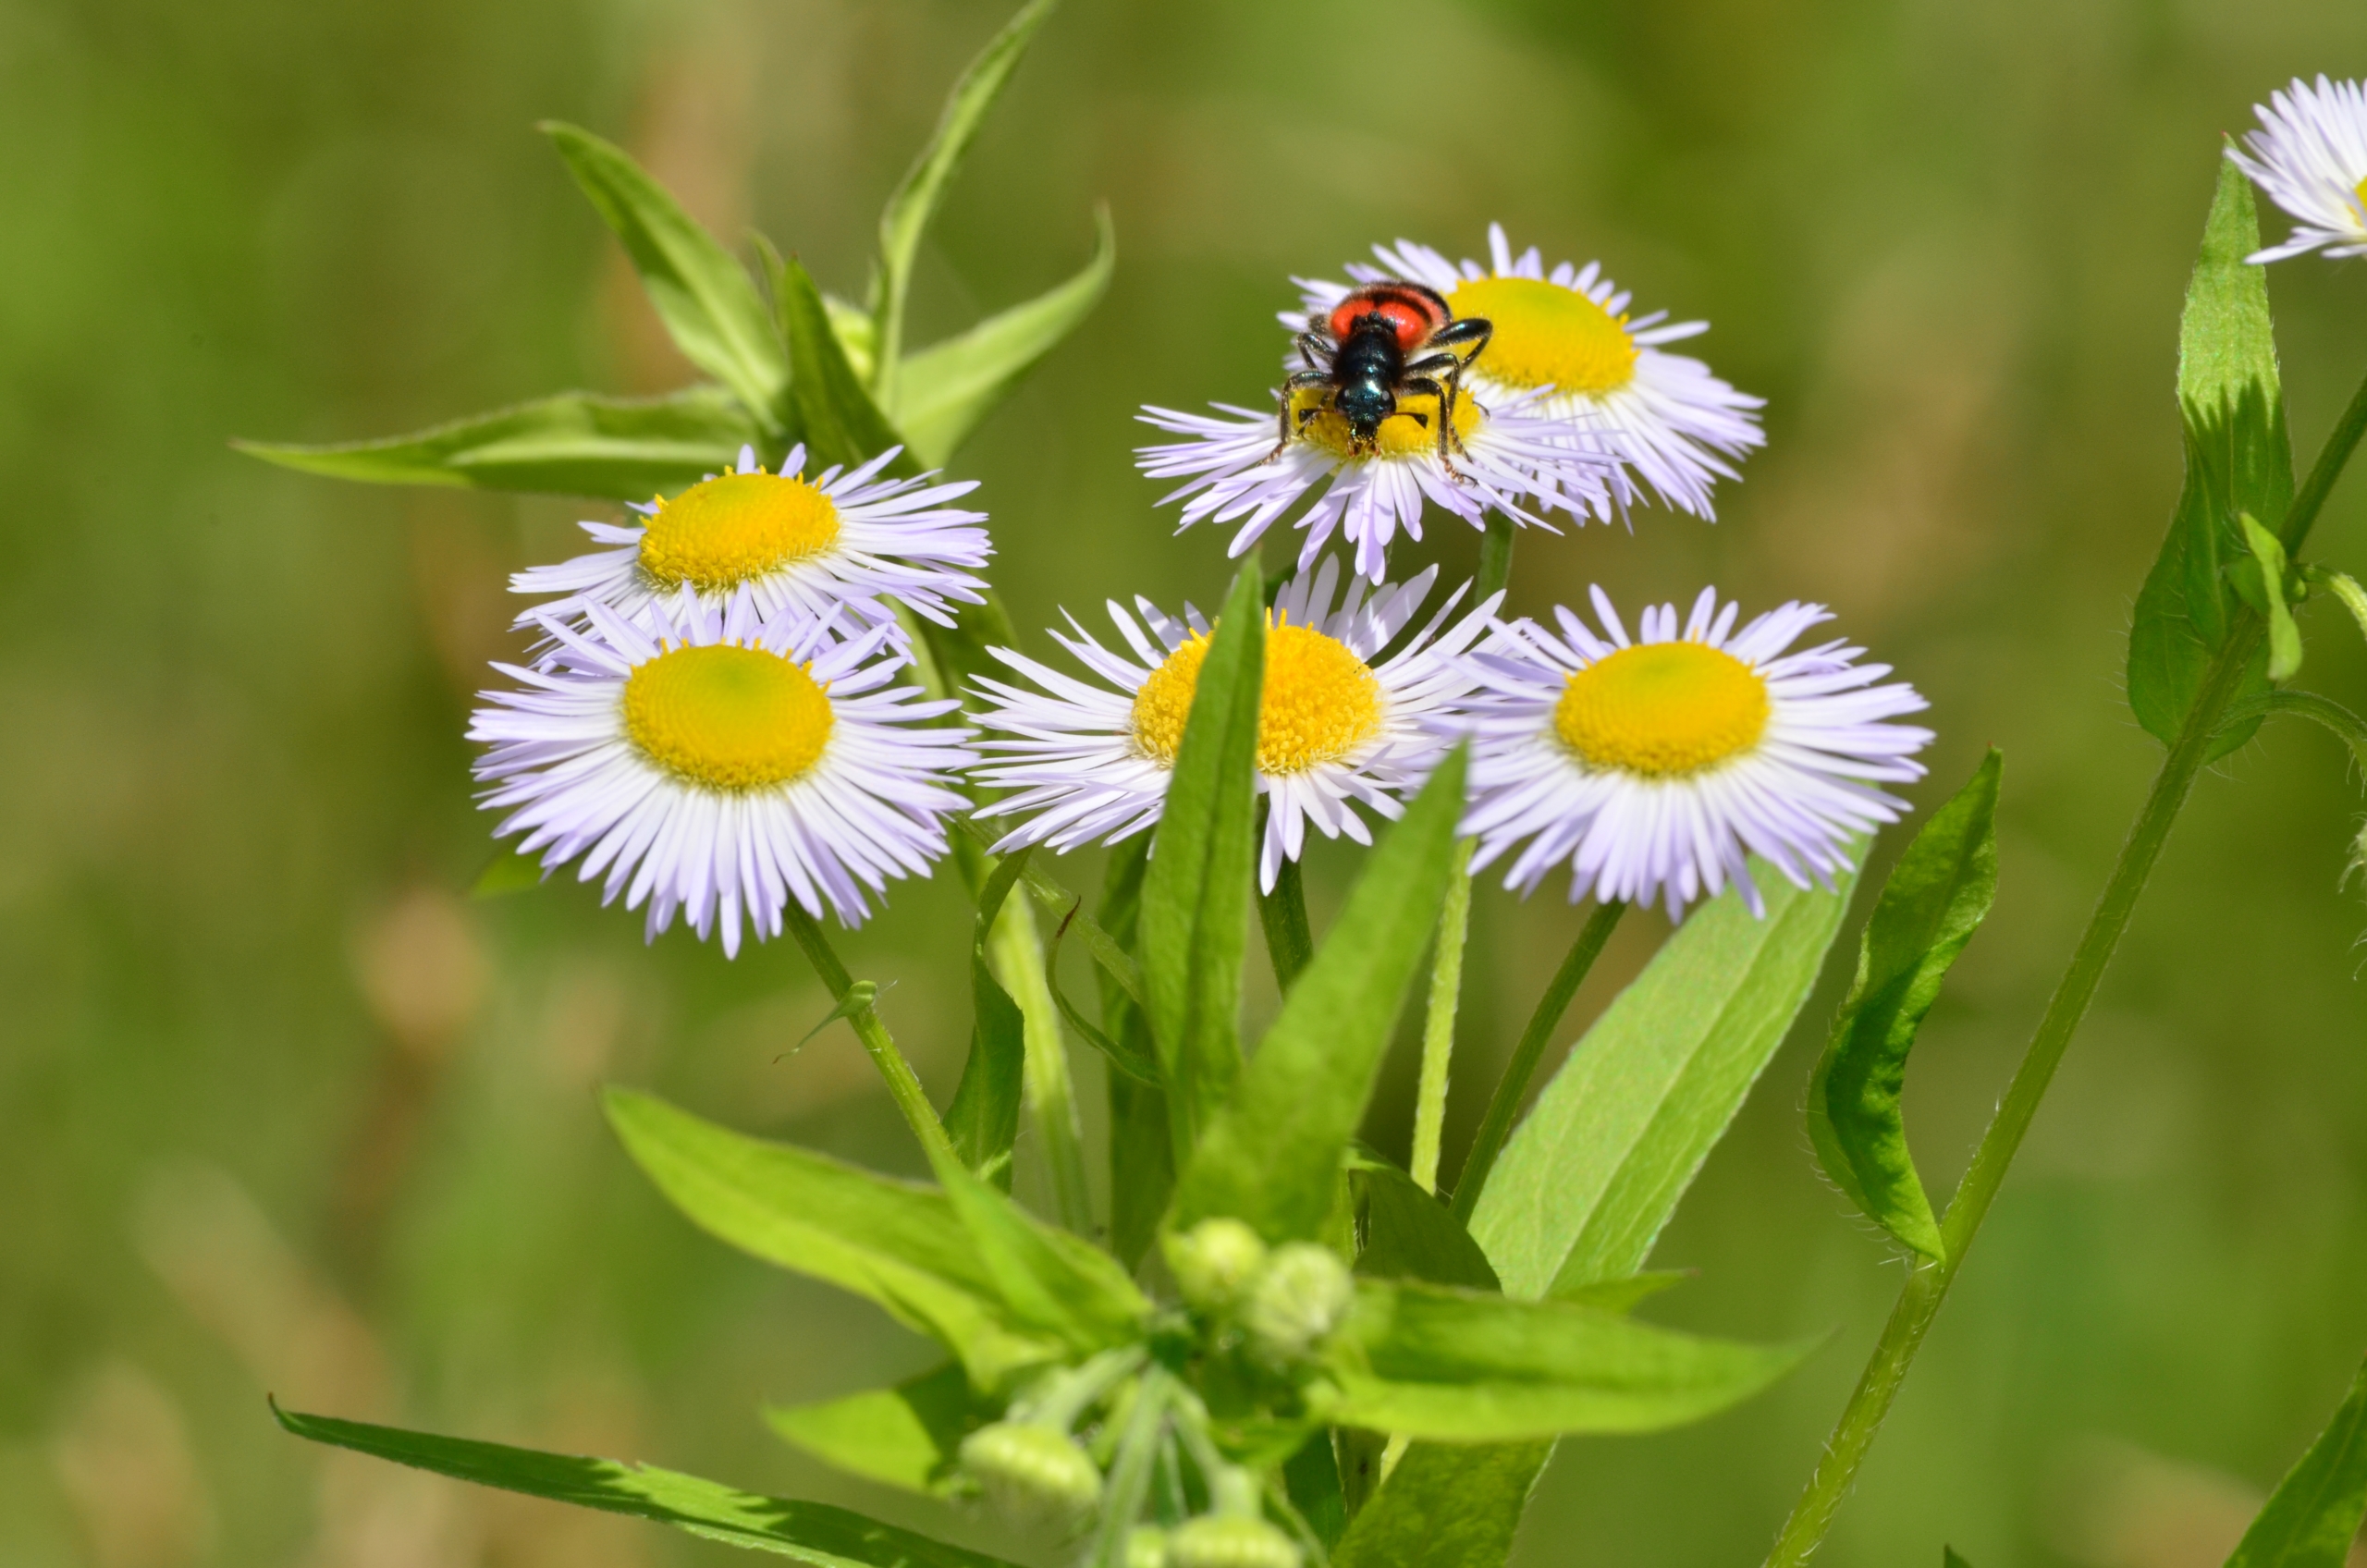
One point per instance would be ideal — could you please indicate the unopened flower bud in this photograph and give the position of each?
(1213, 1261)
(1033, 1472)
(1146, 1547)
(1301, 1297)
(1230, 1542)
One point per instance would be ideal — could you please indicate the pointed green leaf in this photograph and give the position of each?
(810, 1532)
(1586, 1183)
(2238, 460)
(2265, 574)
(895, 1243)
(944, 391)
(2313, 1517)
(1935, 899)
(1621, 1295)
(507, 871)
(835, 411)
(1468, 1367)
(1049, 1279)
(983, 1117)
(1271, 1156)
(705, 297)
(1141, 1154)
(573, 444)
(1446, 1506)
(1408, 1233)
(1196, 895)
(914, 201)
(909, 1436)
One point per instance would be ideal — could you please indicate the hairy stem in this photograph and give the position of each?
(1015, 952)
(903, 1084)
(1512, 1088)
(1289, 941)
(1437, 1021)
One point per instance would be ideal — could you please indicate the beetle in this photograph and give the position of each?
(1389, 340)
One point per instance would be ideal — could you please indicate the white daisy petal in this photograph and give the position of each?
(850, 544)
(1651, 767)
(1336, 731)
(716, 764)
(2310, 156)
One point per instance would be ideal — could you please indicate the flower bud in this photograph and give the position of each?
(1230, 1542)
(1303, 1294)
(1146, 1547)
(1033, 1472)
(1213, 1261)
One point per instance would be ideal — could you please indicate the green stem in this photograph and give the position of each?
(1437, 1021)
(903, 1085)
(1015, 951)
(1928, 1282)
(1512, 1088)
(1289, 942)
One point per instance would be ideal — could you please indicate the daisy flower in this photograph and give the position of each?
(1334, 729)
(1567, 336)
(1653, 767)
(789, 541)
(2310, 155)
(1507, 455)
(720, 762)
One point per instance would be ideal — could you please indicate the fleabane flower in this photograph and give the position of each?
(1653, 767)
(1504, 458)
(1566, 337)
(2310, 155)
(719, 762)
(789, 542)
(1091, 759)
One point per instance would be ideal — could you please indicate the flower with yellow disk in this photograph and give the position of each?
(1652, 766)
(2310, 155)
(1091, 761)
(719, 762)
(787, 541)
(1566, 337)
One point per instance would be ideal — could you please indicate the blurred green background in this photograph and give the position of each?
(279, 1109)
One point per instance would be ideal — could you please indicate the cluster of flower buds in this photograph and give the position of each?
(1286, 1299)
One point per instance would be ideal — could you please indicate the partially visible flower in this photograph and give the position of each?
(2310, 155)
(1566, 334)
(1653, 767)
(1334, 729)
(1510, 460)
(789, 543)
(720, 763)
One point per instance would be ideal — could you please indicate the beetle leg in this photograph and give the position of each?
(1315, 349)
(1292, 383)
(1467, 339)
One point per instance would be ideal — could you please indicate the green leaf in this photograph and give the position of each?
(2239, 459)
(944, 391)
(909, 1436)
(1050, 1279)
(1463, 1366)
(708, 302)
(809, 1532)
(841, 421)
(1621, 1295)
(1951, 1558)
(1271, 1156)
(1408, 1233)
(1445, 1507)
(1588, 1181)
(574, 443)
(1935, 899)
(1196, 896)
(2266, 575)
(898, 1244)
(507, 871)
(914, 201)
(1141, 1154)
(983, 1117)
(2313, 1517)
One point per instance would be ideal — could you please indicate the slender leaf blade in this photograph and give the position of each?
(707, 300)
(1446, 1506)
(808, 1532)
(833, 408)
(1409, 1233)
(1196, 896)
(2313, 1517)
(1141, 1154)
(909, 1436)
(946, 389)
(1588, 1181)
(983, 1117)
(1936, 897)
(573, 444)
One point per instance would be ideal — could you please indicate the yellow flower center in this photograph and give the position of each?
(2360, 189)
(1402, 435)
(1548, 336)
(1319, 702)
(726, 716)
(730, 530)
(1663, 709)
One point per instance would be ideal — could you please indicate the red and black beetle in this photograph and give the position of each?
(1387, 340)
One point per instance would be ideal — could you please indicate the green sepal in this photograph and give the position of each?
(810, 1532)
(2313, 1517)
(1935, 899)
(705, 297)
(909, 1436)
(572, 443)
